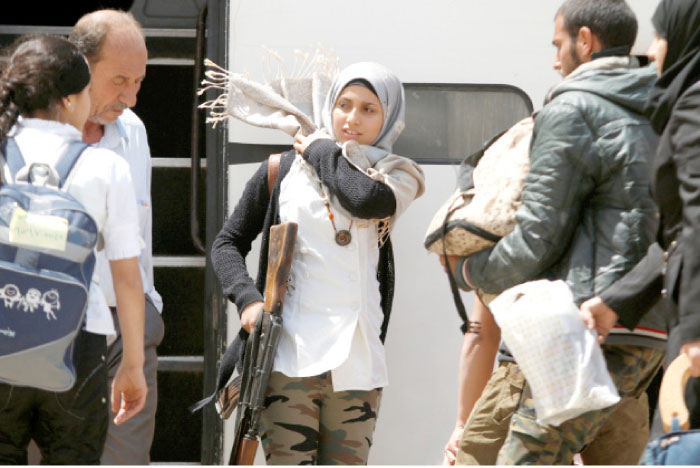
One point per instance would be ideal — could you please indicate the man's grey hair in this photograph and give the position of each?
(612, 21)
(90, 32)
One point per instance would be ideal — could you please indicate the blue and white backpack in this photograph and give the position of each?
(47, 242)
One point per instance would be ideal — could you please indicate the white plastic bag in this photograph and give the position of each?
(559, 356)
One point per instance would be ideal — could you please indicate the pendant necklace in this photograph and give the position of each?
(342, 237)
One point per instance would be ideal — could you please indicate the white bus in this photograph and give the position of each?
(471, 68)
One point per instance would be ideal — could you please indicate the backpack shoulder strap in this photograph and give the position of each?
(68, 159)
(13, 156)
(273, 171)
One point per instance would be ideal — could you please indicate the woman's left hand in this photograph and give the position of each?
(301, 142)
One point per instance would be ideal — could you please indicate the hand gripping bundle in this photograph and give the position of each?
(482, 209)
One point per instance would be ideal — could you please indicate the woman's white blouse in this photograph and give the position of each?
(101, 181)
(332, 315)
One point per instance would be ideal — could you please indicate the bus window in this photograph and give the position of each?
(446, 123)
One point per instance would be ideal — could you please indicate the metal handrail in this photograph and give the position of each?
(194, 149)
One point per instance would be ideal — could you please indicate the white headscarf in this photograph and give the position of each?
(388, 89)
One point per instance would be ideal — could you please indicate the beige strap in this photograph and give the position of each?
(672, 393)
(273, 171)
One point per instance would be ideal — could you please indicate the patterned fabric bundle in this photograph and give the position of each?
(482, 210)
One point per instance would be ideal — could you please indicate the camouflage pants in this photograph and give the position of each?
(502, 428)
(631, 368)
(306, 423)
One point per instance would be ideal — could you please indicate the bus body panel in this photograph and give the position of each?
(442, 41)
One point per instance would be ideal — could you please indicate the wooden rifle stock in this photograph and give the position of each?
(264, 339)
(279, 262)
(247, 447)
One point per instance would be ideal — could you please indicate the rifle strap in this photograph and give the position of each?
(235, 349)
(226, 368)
(273, 171)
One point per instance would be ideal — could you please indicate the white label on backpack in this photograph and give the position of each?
(43, 231)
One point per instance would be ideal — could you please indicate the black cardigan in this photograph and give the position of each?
(256, 212)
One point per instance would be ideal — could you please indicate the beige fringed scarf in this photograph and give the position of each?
(304, 103)
(288, 103)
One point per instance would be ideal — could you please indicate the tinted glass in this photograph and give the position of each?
(450, 122)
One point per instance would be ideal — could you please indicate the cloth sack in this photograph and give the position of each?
(482, 210)
(560, 358)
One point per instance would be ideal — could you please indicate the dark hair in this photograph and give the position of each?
(612, 21)
(90, 32)
(362, 82)
(40, 70)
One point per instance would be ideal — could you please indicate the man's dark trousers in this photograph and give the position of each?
(130, 442)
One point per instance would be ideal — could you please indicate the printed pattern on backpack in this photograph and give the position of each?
(47, 242)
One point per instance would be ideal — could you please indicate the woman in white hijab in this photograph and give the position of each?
(344, 189)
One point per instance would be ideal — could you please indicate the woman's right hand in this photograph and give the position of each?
(250, 315)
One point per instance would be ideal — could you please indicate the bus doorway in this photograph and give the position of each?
(165, 105)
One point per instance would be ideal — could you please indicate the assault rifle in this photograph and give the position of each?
(262, 345)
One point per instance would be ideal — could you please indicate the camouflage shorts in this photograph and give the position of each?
(306, 423)
(528, 442)
(506, 399)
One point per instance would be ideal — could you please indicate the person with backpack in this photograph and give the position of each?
(44, 103)
(344, 188)
(586, 218)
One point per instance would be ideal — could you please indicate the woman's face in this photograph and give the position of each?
(357, 115)
(657, 51)
(79, 109)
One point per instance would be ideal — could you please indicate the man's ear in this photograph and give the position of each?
(586, 43)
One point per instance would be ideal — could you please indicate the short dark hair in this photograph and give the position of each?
(38, 72)
(612, 21)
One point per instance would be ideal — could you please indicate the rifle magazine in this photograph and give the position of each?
(228, 398)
